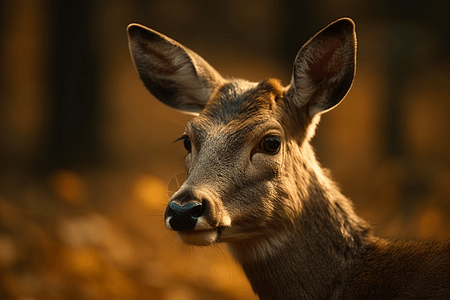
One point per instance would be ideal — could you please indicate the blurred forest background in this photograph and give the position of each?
(86, 153)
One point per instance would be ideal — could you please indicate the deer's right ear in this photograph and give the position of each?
(174, 74)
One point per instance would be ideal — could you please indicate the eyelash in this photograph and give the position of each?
(186, 142)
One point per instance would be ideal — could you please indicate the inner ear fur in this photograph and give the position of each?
(324, 68)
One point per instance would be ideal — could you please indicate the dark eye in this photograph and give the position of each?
(270, 144)
(186, 142)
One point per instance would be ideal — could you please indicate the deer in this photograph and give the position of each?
(254, 182)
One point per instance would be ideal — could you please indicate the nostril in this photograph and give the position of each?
(196, 211)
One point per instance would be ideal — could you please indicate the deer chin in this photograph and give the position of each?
(199, 237)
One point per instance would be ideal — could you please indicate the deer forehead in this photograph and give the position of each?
(242, 100)
(239, 108)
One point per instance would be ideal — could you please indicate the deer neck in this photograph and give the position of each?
(311, 258)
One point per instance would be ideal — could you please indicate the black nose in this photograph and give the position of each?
(183, 217)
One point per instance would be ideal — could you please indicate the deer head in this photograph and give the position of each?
(249, 163)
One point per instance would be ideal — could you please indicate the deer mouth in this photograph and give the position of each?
(200, 237)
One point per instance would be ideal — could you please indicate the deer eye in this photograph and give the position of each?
(270, 144)
(186, 142)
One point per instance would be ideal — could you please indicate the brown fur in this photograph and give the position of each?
(255, 184)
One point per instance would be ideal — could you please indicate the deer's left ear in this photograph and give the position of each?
(324, 68)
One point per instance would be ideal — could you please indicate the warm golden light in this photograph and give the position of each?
(68, 186)
(151, 192)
